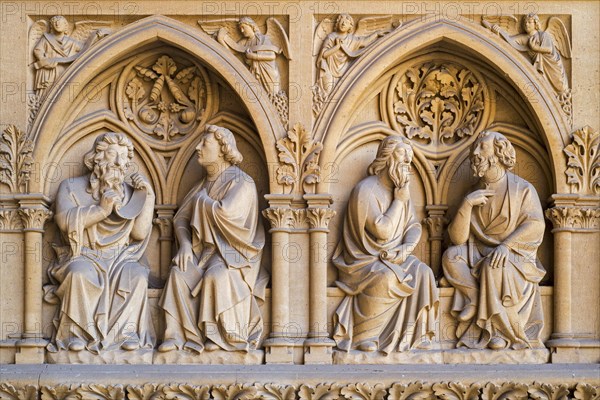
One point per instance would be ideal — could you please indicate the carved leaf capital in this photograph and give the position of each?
(10, 219)
(574, 217)
(34, 218)
(279, 218)
(319, 217)
(165, 226)
(9, 392)
(436, 224)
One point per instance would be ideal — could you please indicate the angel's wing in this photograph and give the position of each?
(369, 25)
(278, 37)
(324, 28)
(506, 22)
(559, 34)
(213, 26)
(36, 31)
(83, 29)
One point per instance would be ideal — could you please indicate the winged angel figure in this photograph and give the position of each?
(545, 48)
(54, 49)
(337, 44)
(260, 50)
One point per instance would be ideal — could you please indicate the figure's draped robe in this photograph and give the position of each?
(102, 286)
(216, 297)
(393, 305)
(332, 68)
(265, 71)
(509, 302)
(50, 47)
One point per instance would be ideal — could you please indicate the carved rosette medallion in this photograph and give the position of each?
(164, 96)
(439, 105)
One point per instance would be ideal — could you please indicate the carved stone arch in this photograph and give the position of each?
(391, 50)
(227, 120)
(52, 118)
(94, 123)
(376, 131)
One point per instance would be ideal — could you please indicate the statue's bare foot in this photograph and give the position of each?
(198, 348)
(497, 343)
(167, 345)
(76, 344)
(131, 344)
(367, 346)
(424, 344)
(211, 346)
(467, 313)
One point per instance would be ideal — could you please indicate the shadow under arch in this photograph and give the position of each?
(50, 121)
(394, 48)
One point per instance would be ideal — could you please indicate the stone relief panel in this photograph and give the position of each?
(546, 48)
(493, 264)
(55, 46)
(259, 51)
(391, 299)
(98, 280)
(583, 164)
(16, 162)
(337, 43)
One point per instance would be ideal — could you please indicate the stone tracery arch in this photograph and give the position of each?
(334, 121)
(53, 116)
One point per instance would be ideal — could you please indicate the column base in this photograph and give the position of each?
(318, 350)
(31, 351)
(573, 350)
(279, 350)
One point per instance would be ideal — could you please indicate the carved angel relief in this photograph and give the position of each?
(544, 48)
(259, 50)
(337, 44)
(54, 49)
(165, 99)
(438, 104)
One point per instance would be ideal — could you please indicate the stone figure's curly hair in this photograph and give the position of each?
(535, 18)
(344, 16)
(56, 18)
(385, 151)
(226, 142)
(503, 149)
(250, 22)
(101, 144)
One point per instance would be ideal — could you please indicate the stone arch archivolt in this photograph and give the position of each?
(57, 111)
(335, 122)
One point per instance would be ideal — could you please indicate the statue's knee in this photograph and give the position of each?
(81, 269)
(453, 256)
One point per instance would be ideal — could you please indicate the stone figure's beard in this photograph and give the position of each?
(398, 173)
(107, 176)
(480, 165)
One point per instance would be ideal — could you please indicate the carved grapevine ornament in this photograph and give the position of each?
(15, 159)
(166, 100)
(583, 164)
(438, 104)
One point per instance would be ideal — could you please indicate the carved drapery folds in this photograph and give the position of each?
(16, 162)
(583, 164)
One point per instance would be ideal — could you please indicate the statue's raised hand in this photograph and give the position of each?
(479, 197)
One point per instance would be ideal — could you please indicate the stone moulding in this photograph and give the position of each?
(448, 390)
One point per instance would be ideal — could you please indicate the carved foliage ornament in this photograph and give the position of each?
(437, 104)
(583, 164)
(323, 391)
(299, 156)
(166, 99)
(16, 161)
